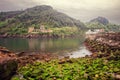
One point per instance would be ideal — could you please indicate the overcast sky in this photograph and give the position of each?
(83, 10)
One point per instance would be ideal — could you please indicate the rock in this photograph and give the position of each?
(67, 57)
(4, 50)
(116, 76)
(106, 44)
(5, 35)
(69, 61)
(20, 54)
(96, 75)
(47, 59)
(94, 55)
(8, 67)
(61, 61)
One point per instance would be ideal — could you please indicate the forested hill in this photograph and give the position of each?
(35, 16)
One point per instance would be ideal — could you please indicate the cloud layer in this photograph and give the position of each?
(83, 10)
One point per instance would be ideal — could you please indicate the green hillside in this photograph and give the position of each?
(19, 21)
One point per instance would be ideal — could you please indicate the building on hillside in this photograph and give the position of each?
(41, 29)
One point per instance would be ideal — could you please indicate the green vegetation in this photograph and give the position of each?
(34, 17)
(57, 31)
(65, 31)
(15, 30)
(113, 27)
(3, 24)
(95, 25)
(73, 69)
(107, 27)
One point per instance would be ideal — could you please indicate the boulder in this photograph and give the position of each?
(8, 67)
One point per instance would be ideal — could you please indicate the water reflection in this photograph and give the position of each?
(56, 46)
(44, 45)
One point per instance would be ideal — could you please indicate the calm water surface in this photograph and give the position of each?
(73, 47)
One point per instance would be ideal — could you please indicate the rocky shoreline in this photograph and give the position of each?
(104, 45)
(36, 36)
(10, 62)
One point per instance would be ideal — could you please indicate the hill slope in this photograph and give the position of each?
(35, 16)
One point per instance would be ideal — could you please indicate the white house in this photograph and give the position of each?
(91, 34)
(95, 31)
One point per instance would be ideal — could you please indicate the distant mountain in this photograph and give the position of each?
(101, 20)
(36, 16)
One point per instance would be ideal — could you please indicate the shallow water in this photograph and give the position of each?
(71, 46)
(82, 52)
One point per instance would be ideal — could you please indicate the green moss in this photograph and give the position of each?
(79, 69)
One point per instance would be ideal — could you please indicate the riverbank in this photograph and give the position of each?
(62, 32)
(23, 59)
(36, 36)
